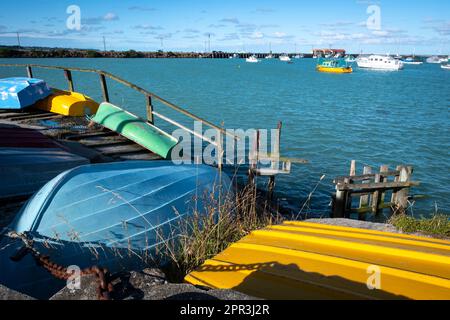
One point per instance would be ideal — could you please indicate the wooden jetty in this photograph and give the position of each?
(372, 188)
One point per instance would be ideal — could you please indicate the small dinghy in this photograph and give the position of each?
(68, 103)
(28, 160)
(110, 215)
(135, 129)
(20, 93)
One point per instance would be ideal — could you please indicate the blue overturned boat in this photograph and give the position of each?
(28, 160)
(111, 215)
(19, 93)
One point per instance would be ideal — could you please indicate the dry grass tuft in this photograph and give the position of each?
(204, 235)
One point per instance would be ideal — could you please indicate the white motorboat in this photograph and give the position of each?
(252, 59)
(350, 59)
(284, 58)
(446, 66)
(270, 56)
(299, 56)
(434, 60)
(412, 61)
(378, 62)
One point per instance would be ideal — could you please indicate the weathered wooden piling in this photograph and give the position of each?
(372, 189)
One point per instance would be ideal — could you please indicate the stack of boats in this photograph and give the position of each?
(109, 214)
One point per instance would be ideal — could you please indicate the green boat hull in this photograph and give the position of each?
(135, 129)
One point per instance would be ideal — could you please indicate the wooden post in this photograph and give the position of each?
(29, 72)
(353, 168)
(364, 200)
(150, 110)
(394, 192)
(376, 196)
(402, 195)
(383, 170)
(340, 201)
(68, 76)
(104, 87)
(352, 174)
(275, 162)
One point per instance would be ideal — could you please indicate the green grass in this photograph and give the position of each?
(438, 225)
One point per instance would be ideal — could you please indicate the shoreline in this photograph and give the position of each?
(44, 52)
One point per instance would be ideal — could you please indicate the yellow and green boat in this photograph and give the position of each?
(333, 66)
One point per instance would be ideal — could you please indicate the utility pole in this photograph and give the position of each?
(209, 42)
(162, 43)
(18, 39)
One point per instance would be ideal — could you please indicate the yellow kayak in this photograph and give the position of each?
(335, 69)
(68, 104)
(301, 260)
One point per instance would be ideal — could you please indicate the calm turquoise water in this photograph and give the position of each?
(373, 117)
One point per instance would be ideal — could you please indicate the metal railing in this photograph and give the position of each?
(150, 96)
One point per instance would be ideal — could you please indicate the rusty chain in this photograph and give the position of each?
(105, 287)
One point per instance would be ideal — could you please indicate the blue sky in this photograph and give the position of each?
(423, 26)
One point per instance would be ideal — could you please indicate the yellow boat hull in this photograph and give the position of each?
(334, 70)
(68, 104)
(300, 260)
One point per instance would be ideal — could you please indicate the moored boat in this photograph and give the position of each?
(135, 129)
(28, 160)
(68, 104)
(19, 93)
(252, 59)
(112, 215)
(411, 61)
(333, 66)
(378, 62)
(433, 60)
(285, 58)
(350, 59)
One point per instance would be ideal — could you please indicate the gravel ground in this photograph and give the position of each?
(357, 224)
(149, 284)
(8, 294)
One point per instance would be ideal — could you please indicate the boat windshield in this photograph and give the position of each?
(332, 63)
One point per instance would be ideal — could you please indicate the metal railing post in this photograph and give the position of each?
(104, 87)
(150, 117)
(29, 72)
(68, 75)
